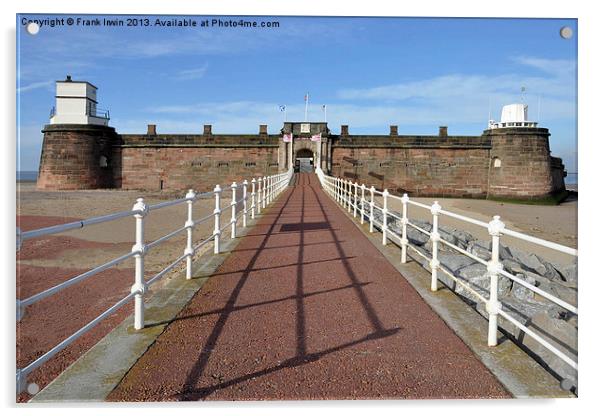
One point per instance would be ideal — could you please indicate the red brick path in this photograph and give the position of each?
(307, 308)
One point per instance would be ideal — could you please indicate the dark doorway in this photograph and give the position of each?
(304, 160)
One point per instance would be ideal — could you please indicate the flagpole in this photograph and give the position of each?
(324, 108)
(306, 102)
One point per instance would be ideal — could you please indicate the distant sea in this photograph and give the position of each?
(571, 179)
(27, 176)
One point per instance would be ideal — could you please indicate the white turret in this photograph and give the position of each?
(513, 115)
(76, 104)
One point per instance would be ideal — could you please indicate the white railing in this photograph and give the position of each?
(263, 191)
(352, 196)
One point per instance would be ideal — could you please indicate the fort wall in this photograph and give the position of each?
(506, 162)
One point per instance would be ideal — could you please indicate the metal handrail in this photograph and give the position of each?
(339, 190)
(277, 183)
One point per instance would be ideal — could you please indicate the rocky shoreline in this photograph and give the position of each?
(557, 325)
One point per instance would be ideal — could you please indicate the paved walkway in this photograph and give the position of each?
(307, 308)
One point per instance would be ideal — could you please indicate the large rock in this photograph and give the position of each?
(561, 334)
(478, 279)
(416, 237)
(522, 293)
(569, 273)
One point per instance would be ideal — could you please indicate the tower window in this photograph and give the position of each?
(497, 162)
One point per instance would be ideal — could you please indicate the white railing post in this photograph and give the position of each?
(217, 211)
(265, 187)
(435, 237)
(233, 204)
(372, 208)
(259, 186)
(385, 225)
(355, 200)
(348, 196)
(336, 189)
(253, 182)
(189, 251)
(362, 201)
(139, 286)
(404, 228)
(272, 188)
(244, 202)
(494, 306)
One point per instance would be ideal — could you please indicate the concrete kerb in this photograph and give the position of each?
(520, 374)
(96, 373)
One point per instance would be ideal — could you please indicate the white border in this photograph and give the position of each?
(589, 154)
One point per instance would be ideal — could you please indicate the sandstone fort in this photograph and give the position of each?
(511, 159)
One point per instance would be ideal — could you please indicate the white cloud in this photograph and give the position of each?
(194, 73)
(36, 85)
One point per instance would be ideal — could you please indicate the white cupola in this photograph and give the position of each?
(76, 104)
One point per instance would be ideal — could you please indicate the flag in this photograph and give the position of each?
(282, 108)
(316, 137)
(306, 98)
(287, 137)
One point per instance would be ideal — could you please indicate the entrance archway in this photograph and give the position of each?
(304, 160)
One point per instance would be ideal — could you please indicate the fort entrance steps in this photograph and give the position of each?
(306, 307)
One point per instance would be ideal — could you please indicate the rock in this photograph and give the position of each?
(529, 261)
(455, 262)
(512, 266)
(416, 237)
(478, 279)
(567, 294)
(520, 292)
(569, 273)
(480, 248)
(561, 334)
(463, 237)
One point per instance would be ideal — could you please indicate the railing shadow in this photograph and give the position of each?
(302, 356)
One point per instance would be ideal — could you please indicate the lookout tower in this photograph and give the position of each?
(77, 149)
(513, 115)
(76, 104)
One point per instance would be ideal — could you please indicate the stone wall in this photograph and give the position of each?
(76, 157)
(509, 162)
(179, 162)
(524, 165)
(426, 165)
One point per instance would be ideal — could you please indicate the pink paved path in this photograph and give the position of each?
(307, 308)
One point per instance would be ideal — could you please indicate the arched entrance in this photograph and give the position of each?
(304, 160)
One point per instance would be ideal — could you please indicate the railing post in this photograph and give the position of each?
(139, 286)
(404, 228)
(372, 208)
(362, 201)
(336, 189)
(233, 204)
(217, 211)
(259, 186)
(265, 187)
(189, 251)
(385, 225)
(435, 237)
(244, 202)
(253, 182)
(355, 200)
(494, 306)
(348, 196)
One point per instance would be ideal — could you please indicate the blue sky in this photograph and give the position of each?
(418, 73)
